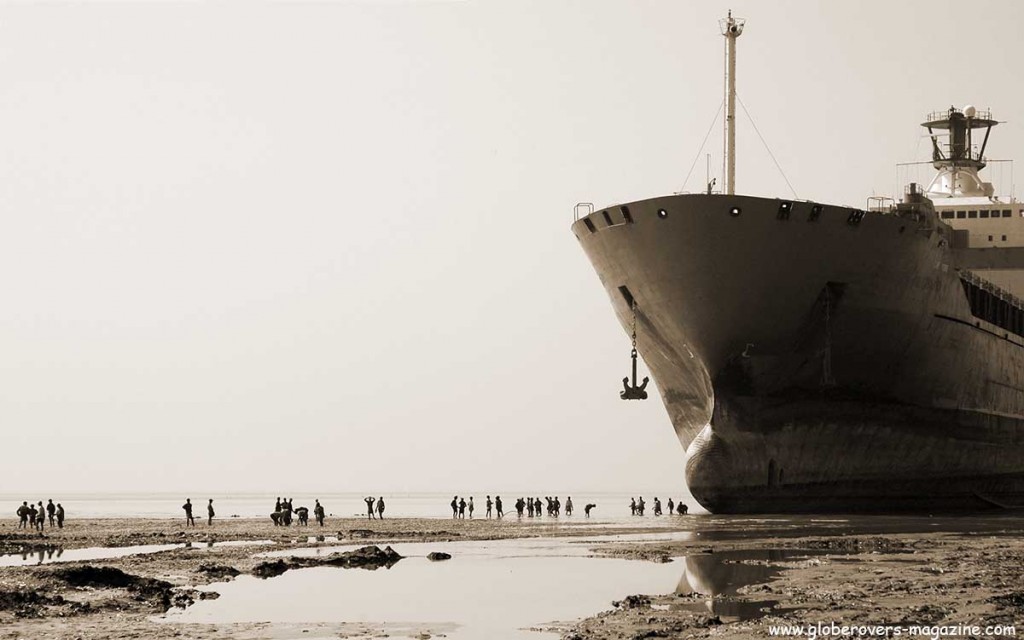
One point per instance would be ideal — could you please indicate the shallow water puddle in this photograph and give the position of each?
(58, 554)
(489, 589)
(486, 596)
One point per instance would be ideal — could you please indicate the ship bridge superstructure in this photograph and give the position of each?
(987, 234)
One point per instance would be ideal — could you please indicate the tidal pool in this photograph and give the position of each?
(56, 553)
(489, 589)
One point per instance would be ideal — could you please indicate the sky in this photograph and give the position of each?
(325, 246)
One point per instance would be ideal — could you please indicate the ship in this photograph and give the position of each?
(814, 357)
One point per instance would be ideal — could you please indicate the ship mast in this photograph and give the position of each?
(732, 28)
(958, 161)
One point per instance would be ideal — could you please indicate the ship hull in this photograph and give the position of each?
(815, 358)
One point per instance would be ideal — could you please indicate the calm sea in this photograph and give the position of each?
(403, 505)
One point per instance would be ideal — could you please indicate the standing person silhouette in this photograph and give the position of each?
(568, 506)
(471, 507)
(497, 505)
(209, 513)
(380, 507)
(369, 507)
(455, 506)
(490, 503)
(50, 509)
(23, 512)
(462, 508)
(318, 513)
(60, 516)
(189, 520)
(632, 506)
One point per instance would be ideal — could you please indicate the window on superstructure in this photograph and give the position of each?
(961, 214)
(984, 213)
(626, 215)
(972, 214)
(990, 238)
(946, 215)
(607, 218)
(590, 225)
(1006, 213)
(1004, 238)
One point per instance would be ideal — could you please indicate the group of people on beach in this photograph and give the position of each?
(530, 506)
(637, 507)
(31, 517)
(35, 517)
(190, 521)
(371, 507)
(283, 510)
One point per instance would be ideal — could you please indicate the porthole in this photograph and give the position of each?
(735, 211)
(784, 209)
(815, 213)
(662, 214)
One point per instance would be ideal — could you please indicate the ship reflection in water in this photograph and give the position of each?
(713, 581)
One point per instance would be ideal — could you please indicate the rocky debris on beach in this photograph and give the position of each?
(398, 533)
(632, 602)
(27, 603)
(880, 544)
(1014, 601)
(273, 568)
(371, 557)
(157, 592)
(218, 571)
(438, 555)
(24, 543)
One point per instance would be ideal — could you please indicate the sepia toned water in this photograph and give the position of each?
(489, 589)
(518, 588)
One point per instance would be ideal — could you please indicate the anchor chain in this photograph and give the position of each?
(634, 329)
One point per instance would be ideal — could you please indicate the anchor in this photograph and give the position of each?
(634, 391)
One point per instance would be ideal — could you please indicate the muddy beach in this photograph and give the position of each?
(716, 576)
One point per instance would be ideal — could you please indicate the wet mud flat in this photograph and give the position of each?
(665, 577)
(731, 588)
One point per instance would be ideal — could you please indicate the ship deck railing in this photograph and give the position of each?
(938, 116)
(995, 290)
(582, 210)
